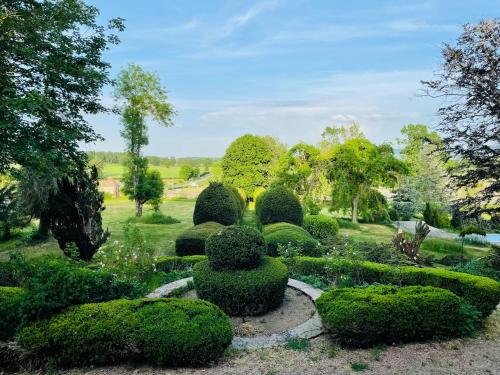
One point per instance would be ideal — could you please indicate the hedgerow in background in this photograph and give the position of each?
(216, 203)
(278, 205)
(139, 94)
(157, 331)
(388, 314)
(192, 240)
(75, 211)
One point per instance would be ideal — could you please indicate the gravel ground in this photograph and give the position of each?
(480, 355)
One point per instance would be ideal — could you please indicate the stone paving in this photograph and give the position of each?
(307, 330)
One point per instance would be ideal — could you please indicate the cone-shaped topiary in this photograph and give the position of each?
(235, 248)
(216, 203)
(278, 204)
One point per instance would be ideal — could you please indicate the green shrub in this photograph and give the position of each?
(244, 292)
(477, 267)
(441, 246)
(235, 248)
(192, 241)
(321, 226)
(154, 218)
(436, 216)
(277, 205)
(240, 201)
(171, 263)
(56, 283)
(158, 331)
(288, 234)
(387, 314)
(11, 300)
(481, 292)
(216, 203)
(7, 276)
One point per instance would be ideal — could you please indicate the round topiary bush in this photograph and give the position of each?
(239, 198)
(385, 314)
(244, 292)
(216, 203)
(11, 299)
(158, 331)
(289, 234)
(279, 205)
(235, 248)
(321, 226)
(192, 240)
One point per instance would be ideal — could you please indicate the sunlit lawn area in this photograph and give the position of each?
(116, 170)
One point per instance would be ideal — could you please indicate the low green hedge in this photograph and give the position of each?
(481, 292)
(169, 263)
(285, 233)
(321, 226)
(387, 314)
(243, 292)
(192, 240)
(11, 299)
(159, 331)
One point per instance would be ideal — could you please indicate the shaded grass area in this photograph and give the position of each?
(249, 218)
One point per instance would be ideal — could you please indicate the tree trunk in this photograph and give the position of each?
(44, 225)
(355, 202)
(138, 208)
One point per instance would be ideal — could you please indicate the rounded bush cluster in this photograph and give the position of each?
(158, 331)
(385, 314)
(235, 248)
(11, 299)
(192, 240)
(321, 226)
(216, 203)
(243, 292)
(279, 205)
(289, 234)
(240, 198)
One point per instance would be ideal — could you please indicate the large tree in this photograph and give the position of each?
(247, 163)
(51, 75)
(426, 163)
(357, 166)
(140, 95)
(469, 85)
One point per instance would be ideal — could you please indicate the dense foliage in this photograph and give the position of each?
(243, 292)
(321, 226)
(247, 163)
(216, 203)
(481, 292)
(277, 205)
(75, 215)
(11, 299)
(286, 234)
(436, 216)
(404, 204)
(147, 188)
(51, 61)
(470, 123)
(388, 314)
(157, 331)
(11, 214)
(235, 248)
(192, 240)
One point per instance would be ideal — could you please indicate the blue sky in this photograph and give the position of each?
(283, 68)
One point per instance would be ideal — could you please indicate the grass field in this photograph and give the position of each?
(111, 170)
(162, 237)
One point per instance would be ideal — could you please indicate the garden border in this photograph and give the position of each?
(307, 330)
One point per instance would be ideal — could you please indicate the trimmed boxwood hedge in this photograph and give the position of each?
(216, 203)
(236, 247)
(192, 240)
(387, 314)
(277, 205)
(244, 292)
(286, 233)
(11, 299)
(321, 226)
(159, 331)
(169, 263)
(481, 292)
